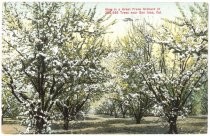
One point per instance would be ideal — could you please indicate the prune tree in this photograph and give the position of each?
(76, 100)
(108, 107)
(180, 66)
(90, 74)
(173, 61)
(135, 51)
(122, 103)
(38, 72)
(117, 103)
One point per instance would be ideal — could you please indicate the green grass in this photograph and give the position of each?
(101, 124)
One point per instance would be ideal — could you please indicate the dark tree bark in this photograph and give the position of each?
(39, 116)
(115, 114)
(2, 120)
(65, 118)
(70, 111)
(111, 112)
(123, 114)
(39, 125)
(138, 121)
(172, 117)
(123, 110)
(172, 125)
(138, 118)
(65, 112)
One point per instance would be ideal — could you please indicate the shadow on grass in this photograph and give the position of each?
(90, 118)
(129, 121)
(119, 121)
(110, 125)
(100, 123)
(193, 127)
(80, 125)
(198, 117)
(117, 130)
(196, 124)
(96, 124)
(121, 130)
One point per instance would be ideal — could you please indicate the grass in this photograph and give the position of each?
(101, 124)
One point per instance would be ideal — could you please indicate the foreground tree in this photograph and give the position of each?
(172, 62)
(40, 72)
(181, 63)
(90, 74)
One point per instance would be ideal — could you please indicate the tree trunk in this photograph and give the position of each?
(123, 111)
(111, 113)
(115, 114)
(39, 125)
(2, 119)
(65, 118)
(138, 119)
(66, 124)
(172, 125)
(39, 116)
(123, 115)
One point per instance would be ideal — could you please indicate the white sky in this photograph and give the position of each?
(168, 10)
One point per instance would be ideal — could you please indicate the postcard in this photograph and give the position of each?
(104, 67)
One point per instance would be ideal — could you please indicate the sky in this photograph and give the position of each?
(168, 10)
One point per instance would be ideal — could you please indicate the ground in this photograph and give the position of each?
(102, 124)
